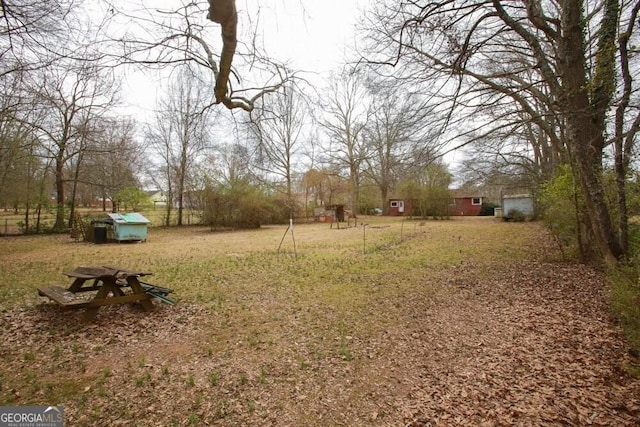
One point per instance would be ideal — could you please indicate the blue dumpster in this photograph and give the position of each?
(129, 226)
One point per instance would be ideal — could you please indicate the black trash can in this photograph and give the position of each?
(99, 234)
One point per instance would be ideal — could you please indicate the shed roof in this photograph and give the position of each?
(128, 218)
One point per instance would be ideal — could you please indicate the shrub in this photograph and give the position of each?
(242, 205)
(44, 227)
(133, 198)
(488, 209)
(515, 215)
(559, 210)
(625, 296)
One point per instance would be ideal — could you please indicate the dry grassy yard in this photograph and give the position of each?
(445, 323)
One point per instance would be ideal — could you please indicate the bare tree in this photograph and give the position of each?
(231, 163)
(399, 140)
(324, 187)
(15, 136)
(69, 96)
(346, 112)
(160, 37)
(480, 53)
(180, 134)
(23, 171)
(278, 127)
(517, 141)
(35, 33)
(627, 119)
(112, 160)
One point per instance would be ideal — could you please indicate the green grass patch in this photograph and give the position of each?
(190, 381)
(143, 379)
(213, 379)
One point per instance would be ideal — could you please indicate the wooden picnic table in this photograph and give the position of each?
(110, 285)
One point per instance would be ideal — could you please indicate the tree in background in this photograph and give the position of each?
(429, 191)
(324, 187)
(113, 160)
(69, 96)
(562, 56)
(241, 204)
(315, 183)
(179, 135)
(133, 198)
(397, 139)
(345, 116)
(230, 163)
(278, 129)
(34, 34)
(16, 141)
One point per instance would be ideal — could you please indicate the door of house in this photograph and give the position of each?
(401, 206)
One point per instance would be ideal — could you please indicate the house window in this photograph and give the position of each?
(476, 201)
(394, 204)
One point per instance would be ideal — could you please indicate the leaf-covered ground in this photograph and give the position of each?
(521, 341)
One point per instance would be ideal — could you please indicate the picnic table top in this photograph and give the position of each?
(99, 272)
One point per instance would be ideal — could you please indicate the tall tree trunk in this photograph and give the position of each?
(27, 211)
(167, 220)
(42, 194)
(585, 125)
(180, 202)
(354, 190)
(74, 191)
(59, 224)
(38, 217)
(180, 196)
(28, 193)
(384, 194)
(621, 168)
(623, 144)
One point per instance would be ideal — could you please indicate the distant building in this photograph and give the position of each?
(465, 206)
(157, 197)
(399, 207)
(462, 205)
(522, 203)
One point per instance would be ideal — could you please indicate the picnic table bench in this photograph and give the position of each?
(109, 285)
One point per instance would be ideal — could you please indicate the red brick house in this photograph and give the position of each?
(465, 206)
(399, 207)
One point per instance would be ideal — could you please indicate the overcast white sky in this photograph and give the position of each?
(310, 35)
(313, 34)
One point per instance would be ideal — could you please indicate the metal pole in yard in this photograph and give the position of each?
(295, 252)
(364, 238)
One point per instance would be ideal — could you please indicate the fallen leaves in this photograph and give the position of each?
(537, 351)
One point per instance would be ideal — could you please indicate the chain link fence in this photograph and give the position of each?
(12, 224)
